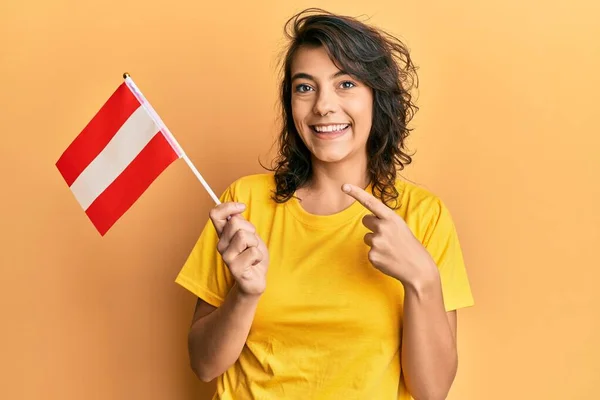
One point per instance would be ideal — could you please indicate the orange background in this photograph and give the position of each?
(507, 135)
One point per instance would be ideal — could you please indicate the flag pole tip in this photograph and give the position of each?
(125, 75)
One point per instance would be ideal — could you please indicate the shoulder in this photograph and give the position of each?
(414, 198)
(256, 192)
(255, 187)
(422, 209)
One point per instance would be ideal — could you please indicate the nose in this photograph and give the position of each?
(325, 102)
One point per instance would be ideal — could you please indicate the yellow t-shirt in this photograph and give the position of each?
(329, 324)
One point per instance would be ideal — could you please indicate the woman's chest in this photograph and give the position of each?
(324, 282)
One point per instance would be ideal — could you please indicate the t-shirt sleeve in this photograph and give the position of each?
(204, 273)
(443, 245)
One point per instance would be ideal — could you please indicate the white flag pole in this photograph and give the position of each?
(167, 134)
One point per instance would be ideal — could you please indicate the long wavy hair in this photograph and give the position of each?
(377, 59)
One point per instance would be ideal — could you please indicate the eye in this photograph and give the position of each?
(303, 88)
(347, 85)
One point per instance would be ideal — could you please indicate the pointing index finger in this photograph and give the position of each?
(369, 201)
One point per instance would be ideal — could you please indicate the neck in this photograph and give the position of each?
(323, 193)
(329, 177)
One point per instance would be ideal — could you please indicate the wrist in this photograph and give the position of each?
(244, 297)
(426, 281)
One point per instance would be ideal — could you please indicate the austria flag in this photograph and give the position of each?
(117, 156)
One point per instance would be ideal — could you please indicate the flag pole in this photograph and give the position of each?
(167, 134)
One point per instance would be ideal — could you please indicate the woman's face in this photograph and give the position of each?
(332, 111)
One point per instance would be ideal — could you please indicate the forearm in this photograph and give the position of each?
(216, 340)
(429, 357)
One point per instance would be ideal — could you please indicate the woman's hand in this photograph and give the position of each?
(242, 250)
(395, 251)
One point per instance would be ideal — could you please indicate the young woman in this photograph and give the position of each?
(329, 277)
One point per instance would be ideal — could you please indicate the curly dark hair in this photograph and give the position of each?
(374, 57)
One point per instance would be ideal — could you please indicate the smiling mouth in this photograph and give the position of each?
(332, 128)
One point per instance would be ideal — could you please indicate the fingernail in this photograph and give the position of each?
(240, 206)
(346, 187)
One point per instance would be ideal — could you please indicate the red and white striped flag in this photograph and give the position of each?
(118, 155)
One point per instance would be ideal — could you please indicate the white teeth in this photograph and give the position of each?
(331, 128)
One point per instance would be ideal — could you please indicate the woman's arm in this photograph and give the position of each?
(429, 356)
(218, 335)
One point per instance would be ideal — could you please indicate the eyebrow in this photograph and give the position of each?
(303, 75)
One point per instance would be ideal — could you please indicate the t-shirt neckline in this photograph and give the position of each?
(327, 221)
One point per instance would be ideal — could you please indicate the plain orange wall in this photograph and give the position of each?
(507, 135)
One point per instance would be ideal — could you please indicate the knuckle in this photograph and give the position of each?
(245, 234)
(237, 234)
(237, 223)
(373, 256)
(256, 253)
(248, 240)
(228, 258)
(376, 240)
(242, 240)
